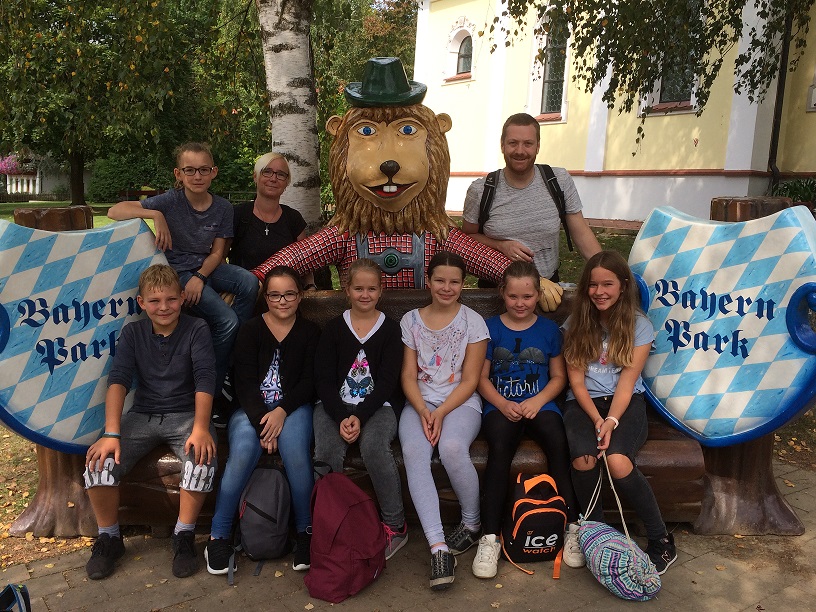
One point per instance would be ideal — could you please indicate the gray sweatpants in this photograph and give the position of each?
(459, 428)
(375, 449)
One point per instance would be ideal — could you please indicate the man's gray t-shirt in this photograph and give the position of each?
(527, 215)
(192, 231)
(602, 376)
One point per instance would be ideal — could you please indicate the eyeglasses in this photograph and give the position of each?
(289, 296)
(203, 171)
(269, 173)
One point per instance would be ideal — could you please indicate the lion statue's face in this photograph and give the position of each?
(389, 169)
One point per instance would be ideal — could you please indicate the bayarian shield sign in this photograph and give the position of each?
(64, 298)
(734, 349)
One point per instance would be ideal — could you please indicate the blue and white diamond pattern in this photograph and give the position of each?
(65, 297)
(720, 397)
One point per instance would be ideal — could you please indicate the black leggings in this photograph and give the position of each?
(503, 437)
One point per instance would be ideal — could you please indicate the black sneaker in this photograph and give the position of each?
(302, 559)
(442, 565)
(218, 553)
(662, 552)
(104, 554)
(462, 538)
(185, 558)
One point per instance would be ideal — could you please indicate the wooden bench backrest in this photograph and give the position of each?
(322, 306)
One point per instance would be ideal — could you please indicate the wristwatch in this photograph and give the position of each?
(199, 275)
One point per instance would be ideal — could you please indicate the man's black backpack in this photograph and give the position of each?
(552, 185)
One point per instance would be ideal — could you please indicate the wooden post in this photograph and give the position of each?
(741, 493)
(60, 507)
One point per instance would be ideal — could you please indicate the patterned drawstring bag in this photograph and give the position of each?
(613, 558)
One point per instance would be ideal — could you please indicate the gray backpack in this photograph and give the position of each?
(264, 513)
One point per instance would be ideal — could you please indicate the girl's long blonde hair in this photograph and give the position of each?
(584, 337)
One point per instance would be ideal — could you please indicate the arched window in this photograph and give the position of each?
(463, 60)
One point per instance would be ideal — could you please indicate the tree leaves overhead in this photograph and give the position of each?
(637, 40)
(74, 74)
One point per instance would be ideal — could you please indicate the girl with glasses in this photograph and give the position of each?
(274, 388)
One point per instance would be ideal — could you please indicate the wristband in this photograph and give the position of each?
(199, 275)
(111, 434)
(614, 420)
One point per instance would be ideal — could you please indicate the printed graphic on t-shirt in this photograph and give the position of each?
(517, 374)
(604, 366)
(358, 381)
(270, 386)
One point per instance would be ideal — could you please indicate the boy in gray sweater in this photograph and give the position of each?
(170, 356)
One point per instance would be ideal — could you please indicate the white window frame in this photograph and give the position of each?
(537, 80)
(658, 109)
(460, 30)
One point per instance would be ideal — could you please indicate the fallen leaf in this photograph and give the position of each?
(29, 536)
(136, 558)
(308, 606)
(49, 565)
(278, 573)
(499, 585)
(788, 482)
(738, 535)
(71, 504)
(149, 585)
(163, 580)
(719, 568)
(495, 604)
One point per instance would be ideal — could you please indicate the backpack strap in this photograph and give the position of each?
(558, 195)
(487, 198)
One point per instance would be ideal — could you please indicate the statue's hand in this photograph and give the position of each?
(550, 296)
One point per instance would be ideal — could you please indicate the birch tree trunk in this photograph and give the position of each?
(293, 102)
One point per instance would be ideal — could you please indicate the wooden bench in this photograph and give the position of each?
(671, 461)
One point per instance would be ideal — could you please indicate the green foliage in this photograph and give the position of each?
(798, 190)
(116, 172)
(637, 42)
(129, 81)
(79, 76)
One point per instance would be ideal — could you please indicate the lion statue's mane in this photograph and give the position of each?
(426, 212)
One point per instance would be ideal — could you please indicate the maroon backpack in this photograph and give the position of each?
(348, 541)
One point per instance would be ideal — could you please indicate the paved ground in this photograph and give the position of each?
(720, 573)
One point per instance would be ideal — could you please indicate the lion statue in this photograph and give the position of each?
(389, 168)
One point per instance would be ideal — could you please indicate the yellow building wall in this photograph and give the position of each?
(675, 141)
(797, 137)
(464, 101)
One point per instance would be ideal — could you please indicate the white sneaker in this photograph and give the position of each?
(486, 562)
(572, 549)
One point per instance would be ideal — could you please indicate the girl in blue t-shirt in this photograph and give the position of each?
(523, 373)
(606, 343)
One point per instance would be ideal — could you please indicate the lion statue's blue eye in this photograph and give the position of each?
(367, 130)
(408, 129)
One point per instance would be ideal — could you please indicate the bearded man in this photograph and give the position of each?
(523, 221)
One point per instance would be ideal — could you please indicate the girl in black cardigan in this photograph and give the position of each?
(357, 374)
(273, 362)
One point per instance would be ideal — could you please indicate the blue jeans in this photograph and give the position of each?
(295, 448)
(222, 318)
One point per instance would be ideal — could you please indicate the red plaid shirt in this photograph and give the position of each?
(329, 247)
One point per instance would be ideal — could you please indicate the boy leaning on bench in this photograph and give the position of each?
(170, 357)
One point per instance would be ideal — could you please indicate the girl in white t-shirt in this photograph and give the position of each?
(445, 345)
(606, 343)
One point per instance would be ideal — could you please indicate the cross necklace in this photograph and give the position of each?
(266, 223)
